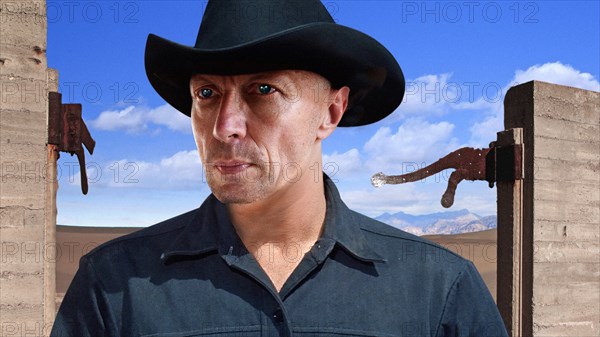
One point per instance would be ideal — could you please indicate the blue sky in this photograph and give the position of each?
(459, 59)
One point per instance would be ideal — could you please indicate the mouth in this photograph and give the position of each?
(231, 166)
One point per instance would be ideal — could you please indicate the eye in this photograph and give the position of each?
(265, 89)
(204, 93)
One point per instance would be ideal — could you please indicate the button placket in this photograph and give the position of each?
(278, 316)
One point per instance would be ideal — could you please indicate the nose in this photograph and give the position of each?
(231, 118)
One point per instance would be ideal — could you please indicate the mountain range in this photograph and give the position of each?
(452, 222)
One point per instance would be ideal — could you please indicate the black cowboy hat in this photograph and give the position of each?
(242, 37)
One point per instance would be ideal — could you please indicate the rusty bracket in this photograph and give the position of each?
(67, 130)
(493, 164)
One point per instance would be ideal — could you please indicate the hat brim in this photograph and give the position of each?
(343, 55)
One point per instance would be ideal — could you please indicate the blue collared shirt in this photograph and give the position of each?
(192, 276)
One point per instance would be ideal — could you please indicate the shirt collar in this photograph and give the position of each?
(211, 230)
(343, 226)
(208, 231)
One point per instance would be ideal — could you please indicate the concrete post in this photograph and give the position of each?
(27, 281)
(555, 244)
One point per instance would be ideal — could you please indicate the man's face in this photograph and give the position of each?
(260, 134)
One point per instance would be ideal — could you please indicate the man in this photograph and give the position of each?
(274, 251)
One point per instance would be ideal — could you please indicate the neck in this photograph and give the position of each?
(293, 216)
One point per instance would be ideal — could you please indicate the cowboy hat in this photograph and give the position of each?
(242, 37)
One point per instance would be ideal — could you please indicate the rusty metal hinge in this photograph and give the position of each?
(493, 164)
(68, 132)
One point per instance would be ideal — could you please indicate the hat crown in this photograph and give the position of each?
(228, 23)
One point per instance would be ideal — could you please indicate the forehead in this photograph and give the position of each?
(299, 77)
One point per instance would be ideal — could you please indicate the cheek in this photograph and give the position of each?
(195, 127)
(200, 131)
(201, 121)
(287, 145)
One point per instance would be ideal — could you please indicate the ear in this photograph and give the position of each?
(338, 103)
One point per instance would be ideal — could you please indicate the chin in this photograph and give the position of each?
(234, 199)
(238, 192)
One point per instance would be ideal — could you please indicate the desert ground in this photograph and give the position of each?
(479, 247)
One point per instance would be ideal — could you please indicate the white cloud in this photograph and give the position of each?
(127, 119)
(343, 165)
(181, 171)
(477, 197)
(557, 73)
(173, 119)
(420, 197)
(427, 95)
(415, 141)
(136, 119)
(484, 132)
(391, 199)
(437, 95)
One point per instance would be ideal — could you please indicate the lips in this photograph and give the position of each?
(231, 166)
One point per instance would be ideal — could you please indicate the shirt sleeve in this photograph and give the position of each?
(84, 311)
(470, 310)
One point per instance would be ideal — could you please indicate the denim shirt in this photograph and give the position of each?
(192, 276)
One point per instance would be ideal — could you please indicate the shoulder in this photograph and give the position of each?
(399, 246)
(375, 229)
(418, 266)
(150, 240)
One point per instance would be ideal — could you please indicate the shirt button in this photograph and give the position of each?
(278, 315)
